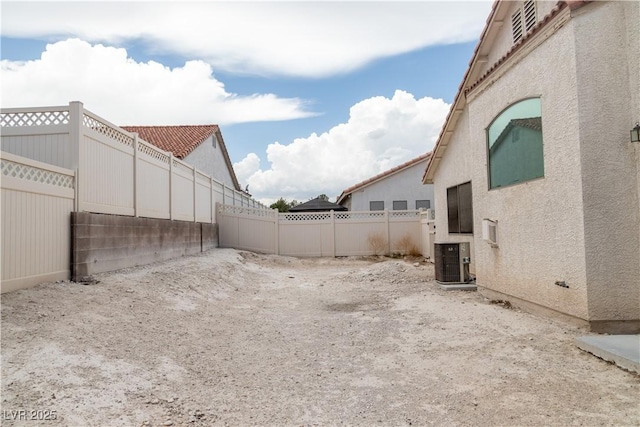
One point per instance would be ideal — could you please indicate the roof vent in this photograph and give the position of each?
(516, 26)
(529, 15)
(523, 20)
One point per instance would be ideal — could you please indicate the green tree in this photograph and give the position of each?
(282, 205)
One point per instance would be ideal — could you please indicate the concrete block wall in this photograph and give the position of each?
(101, 242)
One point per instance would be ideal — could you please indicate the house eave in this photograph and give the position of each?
(472, 83)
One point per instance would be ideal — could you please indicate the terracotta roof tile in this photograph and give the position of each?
(182, 140)
(179, 140)
(517, 45)
(382, 175)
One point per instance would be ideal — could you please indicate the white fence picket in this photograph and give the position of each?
(316, 234)
(37, 199)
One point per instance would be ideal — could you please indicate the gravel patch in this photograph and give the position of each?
(235, 338)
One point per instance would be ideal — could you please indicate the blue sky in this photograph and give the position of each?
(311, 97)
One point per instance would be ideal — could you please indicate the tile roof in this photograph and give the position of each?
(182, 140)
(317, 205)
(179, 140)
(543, 22)
(467, 85)
(384, 174)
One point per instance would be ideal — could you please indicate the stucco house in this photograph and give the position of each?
(399, 188)
(535, 167)
(317, 205)
(201, 146)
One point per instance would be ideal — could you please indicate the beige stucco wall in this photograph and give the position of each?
(540, 228)
(457, 167)
(580, 223)
(607, 57)
(632, 43)
(210, 160)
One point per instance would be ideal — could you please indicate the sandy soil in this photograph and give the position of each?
(234, 338)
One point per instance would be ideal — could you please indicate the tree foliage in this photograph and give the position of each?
(282, 205)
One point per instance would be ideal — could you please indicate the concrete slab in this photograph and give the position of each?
(457, 286)
(623, 350)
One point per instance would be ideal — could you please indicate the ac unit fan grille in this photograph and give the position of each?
(447, 263)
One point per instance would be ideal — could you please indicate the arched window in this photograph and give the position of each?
(515, 144)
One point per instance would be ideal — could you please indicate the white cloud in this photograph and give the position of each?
(380, 134)
(130, 92)
(311, 39)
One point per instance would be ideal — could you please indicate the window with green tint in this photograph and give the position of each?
(515, 144)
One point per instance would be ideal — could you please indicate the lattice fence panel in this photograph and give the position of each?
(153, 153)
(240, 210)
(404, 214)
(347, 216)
(300, 217)
(36, 118)
(107, 130)
(30, 173)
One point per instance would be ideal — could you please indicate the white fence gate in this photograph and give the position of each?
(316, 234)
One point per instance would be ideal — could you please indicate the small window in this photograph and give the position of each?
(423, 204)
(459, 208)
(376, 206)
(215, 140)
(399, 205)
(515, 144)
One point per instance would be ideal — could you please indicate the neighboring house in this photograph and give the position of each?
(399, 188)
(201, 146)
(317, 205)
(534, 165)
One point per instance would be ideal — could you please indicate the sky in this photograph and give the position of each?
(311, 97)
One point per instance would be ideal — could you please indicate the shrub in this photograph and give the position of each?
(406, 246)
(377, 243)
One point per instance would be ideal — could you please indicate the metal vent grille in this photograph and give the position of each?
(447, 262)
(516, 26)
(530, 18)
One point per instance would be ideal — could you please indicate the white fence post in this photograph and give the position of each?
(333, 233)
(212, 204)
(136, 178)
(386, 230)
(76, 110)
(276, 238)
(171, 186)
(195, 184)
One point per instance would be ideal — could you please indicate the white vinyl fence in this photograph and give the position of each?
(316, 234)
(57, 160)
(117, 172)
(37, 199)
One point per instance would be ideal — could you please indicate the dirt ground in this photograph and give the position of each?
(234, 338)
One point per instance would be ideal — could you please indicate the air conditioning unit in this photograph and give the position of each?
(490, 232)
(452, 263)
